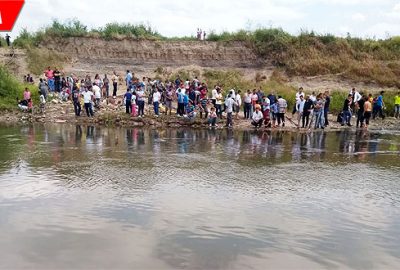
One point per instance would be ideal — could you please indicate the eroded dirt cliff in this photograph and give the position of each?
(89, 53)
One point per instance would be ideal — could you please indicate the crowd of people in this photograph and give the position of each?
(191, 99)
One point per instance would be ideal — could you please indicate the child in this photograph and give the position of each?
(42, 102)
(212, 118)
(134, 111)
(190, 111)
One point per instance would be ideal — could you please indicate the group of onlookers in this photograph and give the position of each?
(192, 98)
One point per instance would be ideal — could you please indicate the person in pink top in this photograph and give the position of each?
(27, 97)
(49, 73)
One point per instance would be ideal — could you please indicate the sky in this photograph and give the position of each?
(362, 18)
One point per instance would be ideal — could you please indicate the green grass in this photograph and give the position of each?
(11, 89)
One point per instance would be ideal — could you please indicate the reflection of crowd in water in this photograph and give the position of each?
(286, 146)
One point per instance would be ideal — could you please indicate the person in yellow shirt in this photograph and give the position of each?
(397, 105)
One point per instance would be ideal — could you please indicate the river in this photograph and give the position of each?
(79, 197)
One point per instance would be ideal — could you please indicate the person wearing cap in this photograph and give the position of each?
(257, 118)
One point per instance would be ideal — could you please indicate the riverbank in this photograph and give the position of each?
(114, 115)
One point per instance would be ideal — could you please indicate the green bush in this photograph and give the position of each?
(112, 30)
(11, 89)
(70, 28)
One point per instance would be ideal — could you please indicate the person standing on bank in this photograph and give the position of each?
(156, 102)
(347, 110)
(87, 100)
(300, 109)
(114, 80)
(326, 107)
(128, 101)
(282, 106)
(8, 40)
(360, 112)
(230, 102)
(76, 99)
(367, 111)
(379, 105)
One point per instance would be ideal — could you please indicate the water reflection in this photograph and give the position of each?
(94, 197)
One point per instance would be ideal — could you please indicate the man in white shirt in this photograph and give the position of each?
(282, 105)
(238, 100)
(140, 96)
(298, 94)
(300, 108)
(87, 100)
(214, 94)
(229, 103)
(257, 117)
(97, 95)
(156, 102)
(356, 97)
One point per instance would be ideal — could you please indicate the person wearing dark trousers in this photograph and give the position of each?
(378, 107)
(181, 103)
(8, 41)
(89, 109)
(57, 80)
(77, 101)
(347, 111)
(360, 111)
(114, 80)
(87, 99)
(308, 106)
(229, 104)
(326, 107)
(128, 101)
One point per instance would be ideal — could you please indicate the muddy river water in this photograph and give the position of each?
(79, 197)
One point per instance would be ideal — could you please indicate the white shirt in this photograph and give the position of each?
(218, 98)
(42, 99)
(97, 91)
(140, 95)
(266, 104)
(238, 99)
(282, 105)
(247, 98)
(87, 96)
(233, 94)
(298, 95)
(357, 96)
(214, 93)
(300, 105)
(257, 116)
(229, 102)
(313, 98)
(183, 90)
(156, 96)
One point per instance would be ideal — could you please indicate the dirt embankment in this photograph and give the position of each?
(15, 60)
(90, 53)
